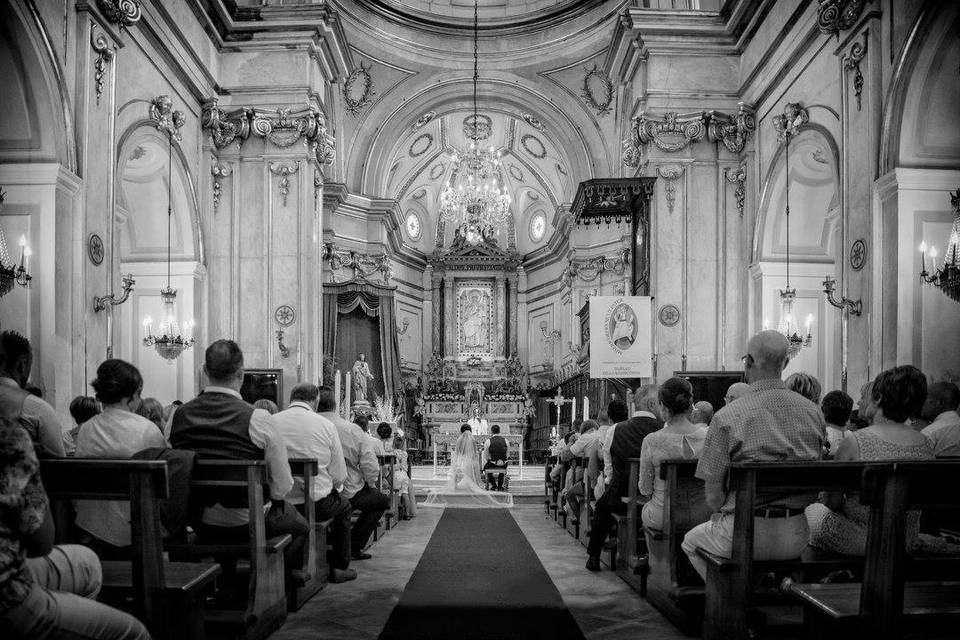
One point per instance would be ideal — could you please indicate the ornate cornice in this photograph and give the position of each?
(674, 131)
(281, 127)
(364, 265)
(671, 132)
(834, 16)
(126, 13)
(589, 269)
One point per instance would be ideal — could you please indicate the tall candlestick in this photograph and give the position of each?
(923, 256)
(346, 394)
(573, 410)
(23, 247)
(586, 408)
(336, 389)
(26, 258)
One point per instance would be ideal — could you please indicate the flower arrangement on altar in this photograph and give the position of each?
(443, 397)
(506, 397)
(383, 409)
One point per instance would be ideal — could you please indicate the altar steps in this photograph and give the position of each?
(529, 490)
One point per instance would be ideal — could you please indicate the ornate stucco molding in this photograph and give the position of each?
(364, 265)
(738, 177)
(219, 172)
(674, 131)
(281, 127)
(732, 131)
(284, 171)
(589, 269)
(165, 118)
(101, 45)
(599, 104)
(834, 16)
(670, 176)
(787, 124)
(851, 62)
(671, 132)
(357, 90)
(126, 13)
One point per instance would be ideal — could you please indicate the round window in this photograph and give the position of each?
(538, 226)
(413, 226)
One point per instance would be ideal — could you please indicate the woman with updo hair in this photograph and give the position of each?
(804, 384)
(116, 433)
(679, 438)
(839, 522)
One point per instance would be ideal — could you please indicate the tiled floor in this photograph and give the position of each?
(604, 607)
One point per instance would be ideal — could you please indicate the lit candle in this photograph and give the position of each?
(923, 255)
(573, 411)
(809, 322)
(148, 326)
(23, 248)
(336, 389)
(26, 258)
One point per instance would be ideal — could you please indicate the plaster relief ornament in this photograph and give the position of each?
(732, 131)
(126, 13)
(673, 132)
(101, 45)
(424, 119)
(284, 172)
(165, 118)
(534, 122)
(437, 170)
(358, 89)
(670, 175)
(420, 145)
(477, 126)
(738, 177)
(225, 128)
(533, 145)
(597, 90)
(834, 16)
(219, 172)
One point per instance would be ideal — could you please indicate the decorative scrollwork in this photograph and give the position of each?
(219, 172)
(738, 177)
(533, 145)
(534, 122)
(101, 45)
(789, 122)
(363, 265)
(834, 16)
(732, 131)
(165, 118)
(600, 104)
(126, 13)
(356, 102)
(284, 172)
(852, 63)
(424, 119)
(477, 126)
(225, 127)
(673, 132)
(670, 175)
(589, 269)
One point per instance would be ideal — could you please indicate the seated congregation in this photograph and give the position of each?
(855, 517)
(206, 518)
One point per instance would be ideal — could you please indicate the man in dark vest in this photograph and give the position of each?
(495, 458)
(624, 441)
(219, 424)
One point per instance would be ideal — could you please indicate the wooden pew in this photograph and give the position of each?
(265, 607)
(880, 605)
(312, 576)
(631, 563)
(158, 589)
(673, 587)
(730, 585)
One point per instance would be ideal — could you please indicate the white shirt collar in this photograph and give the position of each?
(226, 390)
(644, 414)
(301, 404)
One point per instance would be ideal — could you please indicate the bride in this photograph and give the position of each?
(462, 488)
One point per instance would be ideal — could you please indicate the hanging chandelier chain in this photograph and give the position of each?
(169, 197)
(788, 208)
(476, 64)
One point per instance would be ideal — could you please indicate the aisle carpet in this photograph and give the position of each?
(479, 578)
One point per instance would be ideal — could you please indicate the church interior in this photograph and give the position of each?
(416, 208)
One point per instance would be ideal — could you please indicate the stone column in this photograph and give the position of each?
(500, 345)
(429, 334)
(512, 277)
(449, 320)
(522, 319)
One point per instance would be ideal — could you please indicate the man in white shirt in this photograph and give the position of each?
(307, 434)
(30, 412)
(943, 400)
(363, 469)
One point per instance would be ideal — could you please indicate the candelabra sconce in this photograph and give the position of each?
(12, 272)
(284, 349)
(853, 307)
(102, 302)
(284, 316)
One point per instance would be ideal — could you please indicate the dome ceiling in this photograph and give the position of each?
(533, 170)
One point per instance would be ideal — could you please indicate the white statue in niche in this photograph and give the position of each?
(473, 316)
(361, 376)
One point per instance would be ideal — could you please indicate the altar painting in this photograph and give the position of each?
(475, 319)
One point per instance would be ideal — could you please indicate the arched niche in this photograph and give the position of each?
(815, 196)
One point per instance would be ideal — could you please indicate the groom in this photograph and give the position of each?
(495, 458)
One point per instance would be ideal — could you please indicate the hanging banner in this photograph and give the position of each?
(621, 342)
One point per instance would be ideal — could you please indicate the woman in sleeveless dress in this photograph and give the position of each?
(839, 522)
(462, 488)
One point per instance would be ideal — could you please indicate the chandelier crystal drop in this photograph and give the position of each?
(475, 196)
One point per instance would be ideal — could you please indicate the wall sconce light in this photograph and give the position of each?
(101, 302)
(284, 317)
(284, 349)
(853, 307)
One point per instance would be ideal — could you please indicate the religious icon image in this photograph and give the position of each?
(474, 319)
(622, 326)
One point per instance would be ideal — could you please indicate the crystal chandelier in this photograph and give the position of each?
(168, 341)
(787, 126)
(474, 196)
(947, 277)
(13, 272)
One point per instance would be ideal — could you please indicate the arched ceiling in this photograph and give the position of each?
(454, 14)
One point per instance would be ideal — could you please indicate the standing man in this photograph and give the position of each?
(307, 434)
(769, 424)
(494, 457)
(363, 469)
(30, 412)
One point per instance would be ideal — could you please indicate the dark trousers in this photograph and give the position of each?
(609, 504)
(490, 468)
(337, 509)
(371, 504)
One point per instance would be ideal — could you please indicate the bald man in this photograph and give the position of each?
(943, 432)
(768, 424)
(736, 390)
(702, 413)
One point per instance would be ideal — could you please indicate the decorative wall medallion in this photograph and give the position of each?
(285, 315)
(538, 226)
(420, 145)
(670, 175)
(834, 16)
(738, 177)
(219, 172)
(424, 119)
(414, 227)
(669, 315)
(284, 172)
(419, 194)
(515, 172)
(165, 118)
(437, 170)
(561, 170)
(671, 133)
(95, 249)
(533, 195)
(100, 44)
(534, 122)
(358, 89)
(597, 90)
(851, 62)
(477, 127)
(126, 13)
(858, 254)
(532, 145)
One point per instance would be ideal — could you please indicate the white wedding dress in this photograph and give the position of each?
(462, 489)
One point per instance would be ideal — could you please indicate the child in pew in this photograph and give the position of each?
(401, 481)
(679, 438)
(837, 407)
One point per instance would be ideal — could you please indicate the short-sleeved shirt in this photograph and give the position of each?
(307, 434)
(23, 506)
(666, 444)
(359, 457)
(944, 434)
(770, 424)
